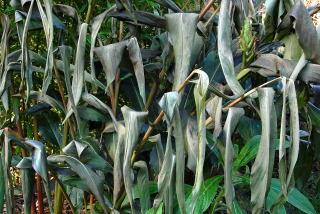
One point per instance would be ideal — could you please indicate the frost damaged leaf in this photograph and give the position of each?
(78, 75)
(111, 56)
(200, 92)
(224, 48)
(306, 32)
(182, 32)
(234, 115)
(261, 171)
(133, 123)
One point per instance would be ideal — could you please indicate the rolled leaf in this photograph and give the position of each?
(262, 168)
(200, 94)
(224, 48)
(234, 115)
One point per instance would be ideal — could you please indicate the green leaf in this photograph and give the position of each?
(295, 198)
(314, 114)
(237, 209)
(91, 114)
(143, 185)
(208, 192)
(262, 168)
(48, 124)
(249, 127)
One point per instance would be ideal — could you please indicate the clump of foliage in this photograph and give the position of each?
(155, 107)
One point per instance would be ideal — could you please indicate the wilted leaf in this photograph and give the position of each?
(200, 93)
(89, 177)
(234, 115)
(224, 48)
(133, 123)
(182, 32)
(262, 168)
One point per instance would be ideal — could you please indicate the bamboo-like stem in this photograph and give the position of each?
(59, 195)
(90, 11)
(205, 9)
(212, 16)
(61, 91)
(38, 177)
(153, 92)
(21, 134)
(64, 192)
(236, 101)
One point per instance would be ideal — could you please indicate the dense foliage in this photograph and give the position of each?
(159, 106)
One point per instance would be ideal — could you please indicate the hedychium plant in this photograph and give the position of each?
(168, 111)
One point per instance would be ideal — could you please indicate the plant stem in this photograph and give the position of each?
(61, 91)
(64, 192)
(205, 9)
(90, 11)
(152, 95)
(58, 196)
(38, 177)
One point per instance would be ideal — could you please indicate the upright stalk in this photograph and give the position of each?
(38, 177)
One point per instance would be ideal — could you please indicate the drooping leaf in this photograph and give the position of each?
(168, 104)
(234, 115)
(111, 57)
(2, 186)
(89, 177)
(306, 32)
(294, 130)
(96, 24)
(133, 123)
(200, 93)
(182, 32)
(262, 168)
(39, 164)
(224, 48)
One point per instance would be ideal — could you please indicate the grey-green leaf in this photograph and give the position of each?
(262, 168)
(224, 48)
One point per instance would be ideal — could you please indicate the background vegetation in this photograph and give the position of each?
(159, 106)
